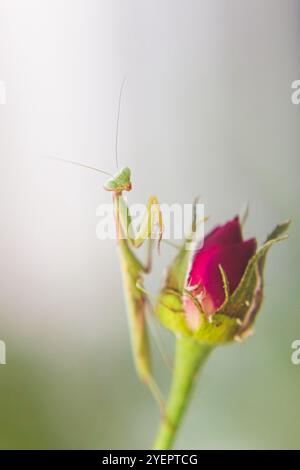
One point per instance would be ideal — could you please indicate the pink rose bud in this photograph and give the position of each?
(224, 247)
(214, 294)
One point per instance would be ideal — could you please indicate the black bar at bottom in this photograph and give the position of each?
(135, 458)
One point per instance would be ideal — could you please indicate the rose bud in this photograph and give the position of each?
(210, 296)
(223, 248)
(214, 293)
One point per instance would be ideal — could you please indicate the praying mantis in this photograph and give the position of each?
(133, 270)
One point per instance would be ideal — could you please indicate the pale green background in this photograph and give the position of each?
(207, 110)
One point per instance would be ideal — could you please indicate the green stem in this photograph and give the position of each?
(189, 357)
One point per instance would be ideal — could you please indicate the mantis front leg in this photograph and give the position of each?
(147, 230)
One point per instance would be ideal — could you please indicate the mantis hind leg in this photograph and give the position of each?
(150, 382)
(136, 304)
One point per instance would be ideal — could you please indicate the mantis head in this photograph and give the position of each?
(120, 181)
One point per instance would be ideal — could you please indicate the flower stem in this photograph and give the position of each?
(190, 355)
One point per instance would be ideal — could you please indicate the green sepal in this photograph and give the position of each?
(246, 300)
(170, 312)
(177, 271)
(217, 329)
(213, 330)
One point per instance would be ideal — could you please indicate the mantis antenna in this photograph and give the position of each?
(118, 119)
(82, 165)
(116, 143)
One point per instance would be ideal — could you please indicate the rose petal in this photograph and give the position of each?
(224, 234)
(206, 272)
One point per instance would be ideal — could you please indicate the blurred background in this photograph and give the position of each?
(207, 110)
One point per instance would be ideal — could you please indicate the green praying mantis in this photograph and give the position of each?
(133, 269)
